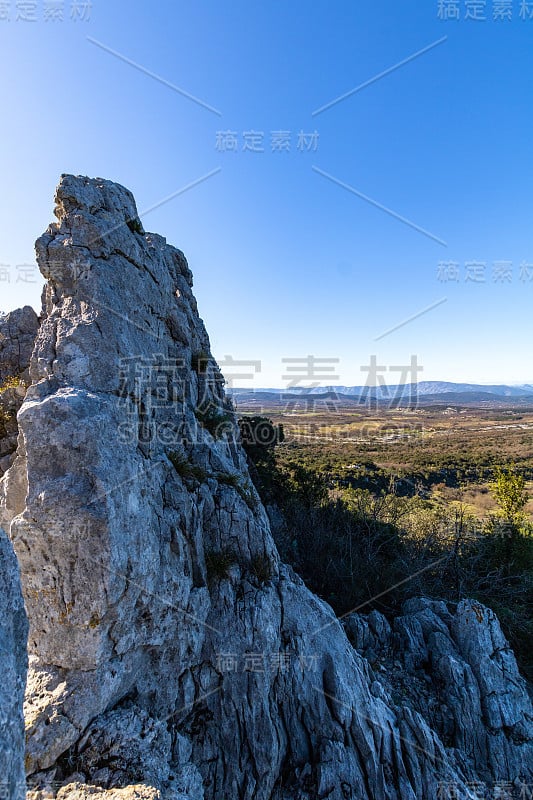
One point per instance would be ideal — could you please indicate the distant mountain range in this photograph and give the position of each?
(426, 391)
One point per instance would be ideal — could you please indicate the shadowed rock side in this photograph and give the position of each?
(459, 672)
(169, 647)
(17, 336)
(14, 663)
(18, 330)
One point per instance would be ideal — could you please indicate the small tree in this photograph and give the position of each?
(512, 548)
(509, 491)
(306, 486)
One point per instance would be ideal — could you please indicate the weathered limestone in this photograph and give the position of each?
(458, 671)
(11, 399)
(17, 336)
(169, 647)
(14, 663)
(18, 330)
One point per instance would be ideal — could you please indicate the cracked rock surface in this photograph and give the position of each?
(18, 330)
(17, 337)
(458, 671)
(13, 658)
(172, 655)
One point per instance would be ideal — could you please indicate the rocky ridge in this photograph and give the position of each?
(171, 653)
(458, 671)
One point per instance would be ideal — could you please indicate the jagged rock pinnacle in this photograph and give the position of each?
(169, 646)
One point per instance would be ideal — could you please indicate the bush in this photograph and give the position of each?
(217, 422)
(509, 491)
(262, 568)
(200, 361)
(218, 563)
(185, 468)
(232, 479)
(135, 226)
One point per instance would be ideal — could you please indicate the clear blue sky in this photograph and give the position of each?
(288, 263)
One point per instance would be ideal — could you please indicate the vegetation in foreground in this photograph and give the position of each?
(368, 537)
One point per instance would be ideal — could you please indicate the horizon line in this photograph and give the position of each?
(517, 385)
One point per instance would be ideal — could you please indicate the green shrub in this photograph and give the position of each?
(232, 479)
(509, 491)
(218, 563)
(200, 362)
(215, 421)
(261, 567)
(185, 469)
(135, 226)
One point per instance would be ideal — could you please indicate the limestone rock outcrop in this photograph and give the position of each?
(17, 337)
(169, 646)
(18, 330)
(14, 662)
(11, 398)
(458, 671)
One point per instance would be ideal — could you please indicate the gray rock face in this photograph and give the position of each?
(13, 658)
(18, 330)
(168, 644)
(458, 671)
(124, 743)
(17, 336)
(10, 402)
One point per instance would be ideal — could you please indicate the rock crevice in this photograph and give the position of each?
(169, 647)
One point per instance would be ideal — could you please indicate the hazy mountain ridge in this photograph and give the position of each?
(420, 388)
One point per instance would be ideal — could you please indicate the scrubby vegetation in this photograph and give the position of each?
(368, 537)
(214, 420)
(200, 361)
(11, 383)
(218, 564)
(185, 468)
(261, 568)
(135, 226)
